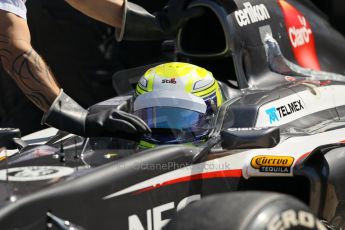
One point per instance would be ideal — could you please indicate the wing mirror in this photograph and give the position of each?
(7, 136)
(250, 138)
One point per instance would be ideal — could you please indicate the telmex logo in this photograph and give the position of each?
(251, 14)
(284, 110)
(271, 161)
(300, 36)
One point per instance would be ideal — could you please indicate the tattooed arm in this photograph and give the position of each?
(23, 64)
(32, 75)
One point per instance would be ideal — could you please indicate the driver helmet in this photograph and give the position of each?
(178, 101)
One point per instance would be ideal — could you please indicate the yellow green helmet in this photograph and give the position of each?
(177, 100)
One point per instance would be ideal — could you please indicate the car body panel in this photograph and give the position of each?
(109, 183)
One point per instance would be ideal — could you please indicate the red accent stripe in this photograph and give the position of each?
(302, 157)
(209, 175)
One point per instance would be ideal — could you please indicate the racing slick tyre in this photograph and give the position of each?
(246, 210)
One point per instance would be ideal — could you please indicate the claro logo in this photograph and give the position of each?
(300, 36)
(273, 164)
(251, 14)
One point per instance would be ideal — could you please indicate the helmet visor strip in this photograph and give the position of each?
(170, 118)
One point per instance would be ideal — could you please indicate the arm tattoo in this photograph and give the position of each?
(30, 72)
(4, 53)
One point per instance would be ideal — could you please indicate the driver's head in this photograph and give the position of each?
(177, 101)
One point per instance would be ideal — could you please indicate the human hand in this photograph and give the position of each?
(115, 123)
(67, 115)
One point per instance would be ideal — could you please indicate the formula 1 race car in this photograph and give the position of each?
(274, 159)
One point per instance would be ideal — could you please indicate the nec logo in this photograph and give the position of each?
(157, 217)
(169, 81)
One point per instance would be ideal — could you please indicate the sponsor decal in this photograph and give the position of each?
(169, 81)
(251, 14)
(276, 113)
(154, 217)
(301, 36)
(295, 219)
(272, 114)
(34, 173)
(272, 164)
(246, 129)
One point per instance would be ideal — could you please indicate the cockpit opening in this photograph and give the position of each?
(203, 41)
